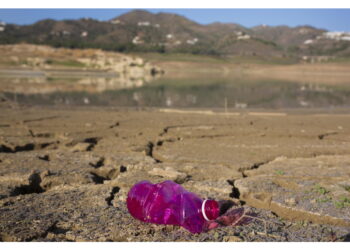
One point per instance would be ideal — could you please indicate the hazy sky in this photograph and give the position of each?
(331, 19)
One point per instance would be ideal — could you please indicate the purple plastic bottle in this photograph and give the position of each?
(169, 203)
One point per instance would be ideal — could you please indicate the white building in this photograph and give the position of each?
(337, 35)
(143, 23)
(241, 105)
(243, 37)
(169, 36)
(303, 103)
(168, 101)
(137, 40)
(116, 21)
(84, 34)
(192, 41)
(2, 26)
(309, 41)
(66, 33)
(333, 34)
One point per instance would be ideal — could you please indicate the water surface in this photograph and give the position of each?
(197, 91)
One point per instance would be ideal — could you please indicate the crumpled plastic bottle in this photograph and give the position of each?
(169, 203)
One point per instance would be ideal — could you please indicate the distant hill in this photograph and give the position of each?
(286, 36)
(142, 31)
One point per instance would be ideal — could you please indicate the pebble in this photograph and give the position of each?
(232, 239)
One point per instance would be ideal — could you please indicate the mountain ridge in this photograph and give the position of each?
(143, 31)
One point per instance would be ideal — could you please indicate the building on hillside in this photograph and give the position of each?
(192, 41)
(337, 35)
(2, 26)
(143, 24)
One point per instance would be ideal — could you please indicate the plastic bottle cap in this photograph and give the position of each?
(203, 211)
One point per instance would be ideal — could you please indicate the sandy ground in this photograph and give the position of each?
(65, 173)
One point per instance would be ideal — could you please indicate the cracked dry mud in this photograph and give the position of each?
(65, 174)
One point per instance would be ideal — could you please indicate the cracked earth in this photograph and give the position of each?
(65, 174)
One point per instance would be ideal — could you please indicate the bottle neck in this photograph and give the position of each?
(210, 210)
(203, 210)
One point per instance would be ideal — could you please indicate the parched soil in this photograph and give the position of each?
(65, 173)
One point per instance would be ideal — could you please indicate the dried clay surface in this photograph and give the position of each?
(65, 173)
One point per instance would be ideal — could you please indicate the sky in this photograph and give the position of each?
(330, 19)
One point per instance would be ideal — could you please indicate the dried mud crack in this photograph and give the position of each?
(98, 179)
(26, 147)
(322, 136)
(98, 164)
(75, 190)
(235, 191)
(149, 151)
(114, 125)
(252, 167)
(41, 119)
(32, 187)
(113, 192)
(92, 141)
(44, 157)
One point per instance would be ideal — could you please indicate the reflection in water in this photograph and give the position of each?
(212, 92)
(46, 85)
